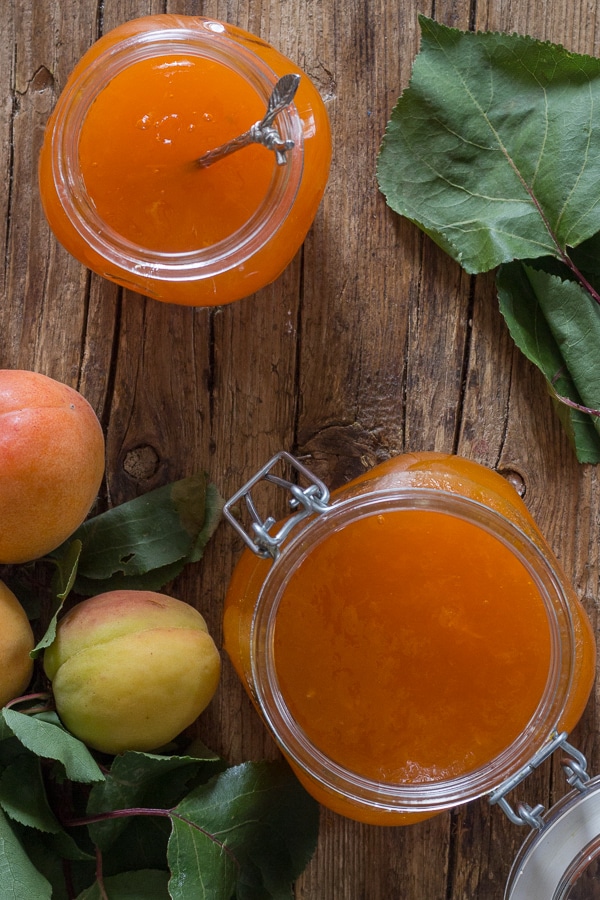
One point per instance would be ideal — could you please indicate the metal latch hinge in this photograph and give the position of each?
(313, 498)
(574, 765)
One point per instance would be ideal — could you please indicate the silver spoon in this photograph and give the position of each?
(261, 132)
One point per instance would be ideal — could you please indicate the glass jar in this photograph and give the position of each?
(119, 179)
(411, 642)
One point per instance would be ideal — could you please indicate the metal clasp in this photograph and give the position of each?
(312, 499)
(574, 766)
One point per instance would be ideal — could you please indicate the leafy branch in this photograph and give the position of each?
(148, 811)
(172, 825)
(491, 152)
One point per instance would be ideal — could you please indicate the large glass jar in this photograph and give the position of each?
(412, 642)
(119, 178)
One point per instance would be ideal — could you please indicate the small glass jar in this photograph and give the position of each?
(119, 179)
(412, 643)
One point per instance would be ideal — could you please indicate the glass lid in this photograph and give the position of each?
(560, 860)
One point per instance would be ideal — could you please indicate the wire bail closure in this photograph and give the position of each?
(574, 765)
(309, 500)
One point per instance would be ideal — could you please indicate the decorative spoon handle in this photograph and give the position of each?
(261, 132)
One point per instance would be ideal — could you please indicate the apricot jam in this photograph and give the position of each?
(414, 643)
(118, 177)
(154, 195)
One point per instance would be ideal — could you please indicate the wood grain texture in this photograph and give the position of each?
(371, 343)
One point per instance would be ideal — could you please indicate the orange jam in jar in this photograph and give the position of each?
(414, 642)
(119, 179)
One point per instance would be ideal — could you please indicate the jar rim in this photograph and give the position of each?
(203, 39)
(427, 796)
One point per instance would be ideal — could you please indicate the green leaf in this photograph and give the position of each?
(490, 150)
(211, 877)
(45, 736)
(141, 845)
(146, 542)
(49, 852)
(140, 885)
(23, 798)
(18, 876)
(66, 560)
(555, 324)
(144, 779)
(66, 569)
(62, 845)
(23, 795)
(251, 829)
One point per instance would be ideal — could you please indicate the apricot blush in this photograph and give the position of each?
(130, 670)
(51, 463)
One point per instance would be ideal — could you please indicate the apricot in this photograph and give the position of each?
(16, 643)
(51, 463)
(130, 670)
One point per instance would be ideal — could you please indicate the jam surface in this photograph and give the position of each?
(139, 141)
(411, 647)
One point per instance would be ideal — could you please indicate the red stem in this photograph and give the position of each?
(146, 811)
(67, 875)
(581, 277)
(100, 876)
(26, 698)
(117, 814)
(578, 406)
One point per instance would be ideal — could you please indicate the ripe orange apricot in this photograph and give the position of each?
(51, 463)
(16, 643)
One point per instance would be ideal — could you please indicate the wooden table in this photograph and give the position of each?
(371, 343)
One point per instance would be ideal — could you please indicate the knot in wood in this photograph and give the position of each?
(141, 463)
(515, 479)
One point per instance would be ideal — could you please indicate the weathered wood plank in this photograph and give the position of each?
(371, 343)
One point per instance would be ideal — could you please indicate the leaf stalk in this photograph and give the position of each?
(47, 706)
